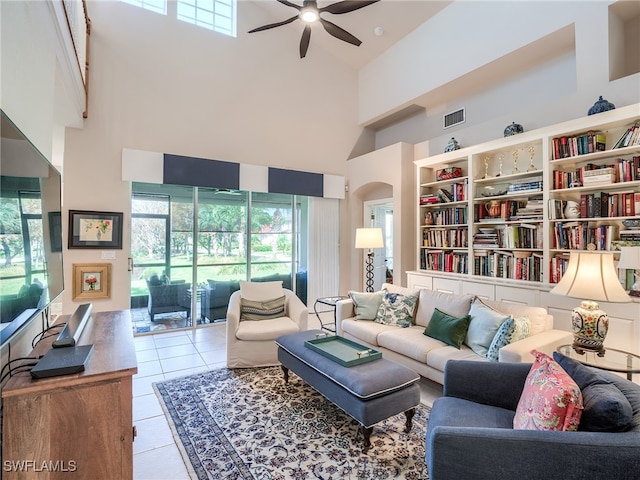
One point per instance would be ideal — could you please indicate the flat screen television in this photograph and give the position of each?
(31, 274)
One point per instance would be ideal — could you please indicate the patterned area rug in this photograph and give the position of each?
(247, 424)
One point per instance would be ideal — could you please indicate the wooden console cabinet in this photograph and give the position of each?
(80, 425)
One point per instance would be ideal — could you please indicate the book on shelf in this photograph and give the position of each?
(629, 137)
(588, 142)
(428, 199)
(444, 196)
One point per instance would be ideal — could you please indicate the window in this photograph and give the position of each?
(238, 236)
(218, 15)
(157, 6)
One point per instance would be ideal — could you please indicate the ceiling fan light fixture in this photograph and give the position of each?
(309, 15)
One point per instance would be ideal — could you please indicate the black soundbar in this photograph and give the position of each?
(72, 330)
(62, 361)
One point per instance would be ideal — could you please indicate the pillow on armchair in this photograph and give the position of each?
(606, 409)
(550, 400)
(261, 290)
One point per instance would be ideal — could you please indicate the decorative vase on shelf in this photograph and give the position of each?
(600, 106)
(572, 210)
(452, 145)
(493, 208)
(513, 129)
(590, 326)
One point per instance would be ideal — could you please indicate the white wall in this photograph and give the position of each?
(385, 173)
(547, 69)
(161, 85)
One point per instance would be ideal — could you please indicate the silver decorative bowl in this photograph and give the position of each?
(494, 190)
(633, 223)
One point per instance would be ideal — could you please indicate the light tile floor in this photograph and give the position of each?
(162, 356)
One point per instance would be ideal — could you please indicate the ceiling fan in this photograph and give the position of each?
(310, 13)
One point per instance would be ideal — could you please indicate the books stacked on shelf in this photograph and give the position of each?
(522, 235)
(587, 175)
(581, 144)
(579, 235)
(521, 185)
(531, 210)
(429, 199)
(444, 196)
(605, 204)
(487, 238)
(449, 216)
(556, 208)
(558, 266)
(629, 170)
(520, 265)
(631, 234)
(599, 176)
(444, 261)
(459, 191)
(445, 237)
(630, 137)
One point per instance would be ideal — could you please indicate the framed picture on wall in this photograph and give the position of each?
(89, 229)
(91, 280)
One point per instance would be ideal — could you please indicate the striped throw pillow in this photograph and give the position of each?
(261, 309)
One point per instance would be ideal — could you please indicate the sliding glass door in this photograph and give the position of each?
(238, 236)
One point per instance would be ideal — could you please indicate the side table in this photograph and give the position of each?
(331, 303)
(613, 360)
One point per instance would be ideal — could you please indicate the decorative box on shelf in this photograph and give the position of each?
(448, 173)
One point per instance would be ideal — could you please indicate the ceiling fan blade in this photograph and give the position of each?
(304, 41)
(273, 25)
(289, 4)
(346, 6)
(340, 33)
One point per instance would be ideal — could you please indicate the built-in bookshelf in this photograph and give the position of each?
(514, 208)
(443, 217)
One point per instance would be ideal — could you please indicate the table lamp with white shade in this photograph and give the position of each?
(592, 277)
(369, 238)
(630, 260)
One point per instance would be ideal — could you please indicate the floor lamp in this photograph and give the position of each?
(369, 238)
(590, 276)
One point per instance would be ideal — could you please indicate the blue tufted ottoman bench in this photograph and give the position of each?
(369, 392)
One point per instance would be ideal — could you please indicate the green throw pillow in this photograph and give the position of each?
(447, 328)
(261, 309)
(366, 304)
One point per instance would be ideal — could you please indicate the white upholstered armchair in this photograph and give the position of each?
(250, 341)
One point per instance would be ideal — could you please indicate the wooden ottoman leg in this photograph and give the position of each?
(409, 414)
(366, 432)
(285, 371)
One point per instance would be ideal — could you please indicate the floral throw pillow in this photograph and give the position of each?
(510, 331)
(397, 309)
(550, 400)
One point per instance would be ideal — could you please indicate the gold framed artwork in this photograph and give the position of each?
(91, 280)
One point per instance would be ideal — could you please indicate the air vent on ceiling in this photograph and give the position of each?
(453, 118)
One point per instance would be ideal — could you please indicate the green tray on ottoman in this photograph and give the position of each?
(343, 351)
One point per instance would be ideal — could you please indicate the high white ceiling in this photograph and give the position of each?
(396, 17)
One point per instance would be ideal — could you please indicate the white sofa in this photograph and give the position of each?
(428, 356)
